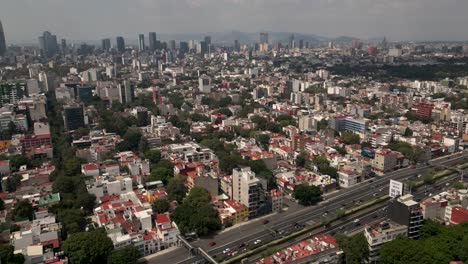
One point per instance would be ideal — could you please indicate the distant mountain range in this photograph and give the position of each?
(252, 37)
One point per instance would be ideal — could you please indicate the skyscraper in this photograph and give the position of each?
(208, 40)
(48, 44)
(236, 45)
(64, 45)
(2, 41)
(291, 41)
(120, 44)
(152, 41)
(106, 44)
(172, 45)
(141, 42)
(263, 38)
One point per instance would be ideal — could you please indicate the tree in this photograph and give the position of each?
(176, 189)
(129, 255)
(350, 138)
(355, 248)
(23, 210)
(322, 124)
(408, 132)
(301, 159)
(143, 145)
(428, 179)
(307, 194)
(196, 214)
(341, 150)
(264, 141)
(458, 185)
(88, 247)
(17, 161)
(72, 167)
(154, 155)
(131, 140)
(86, 201)
(160, 206)
(7, 255)
(161, 174)
(2, 204)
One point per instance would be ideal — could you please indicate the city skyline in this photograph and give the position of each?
(398, 20)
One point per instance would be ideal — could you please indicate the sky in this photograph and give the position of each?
(24, 20)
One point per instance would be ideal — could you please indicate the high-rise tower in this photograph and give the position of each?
(152, 41)
(2, 41)
(48, 44)
(120, 44)
(141, 42)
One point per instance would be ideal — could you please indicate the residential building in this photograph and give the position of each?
(247, 189)
(405, 211)
(381, 233)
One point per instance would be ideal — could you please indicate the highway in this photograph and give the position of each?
(284, 222)
(373, 215)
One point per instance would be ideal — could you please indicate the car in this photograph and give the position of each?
(375, 216)
(266, 221)
(241, 245)
(258, 241)
(226, 251)
(356, 221)
(233, 253)
(212, 243)
(371, 181)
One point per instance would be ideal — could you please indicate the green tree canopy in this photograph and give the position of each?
(196, 214)
(129, 255)
(88, 247)
(154, 155)
(350, 138)
(301, 159)
(307, 194)
(7, 255)
(160, 206)
(161, 174)
(355, 248)
(176, 189)
(23, 210)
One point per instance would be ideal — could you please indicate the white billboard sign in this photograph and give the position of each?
(396, 189)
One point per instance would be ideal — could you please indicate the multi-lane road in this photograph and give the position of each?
(284, 222)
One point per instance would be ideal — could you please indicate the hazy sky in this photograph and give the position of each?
(24, 20)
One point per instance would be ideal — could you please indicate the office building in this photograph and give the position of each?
(263, 38)
(184, 47)
(106, 44)
(291, 42)
(204, 84)
(172, 45)
(424, 109)
(152, 41)
(84, 94)
(247, 189)
(379, 234)
(141, 42)
(73, 117)
(236, 45)
(343, 123)
(120, 44)
(48, 44)
(405, 211)
(63, 45)
(2, 41)
(126, 92)
(208, 40)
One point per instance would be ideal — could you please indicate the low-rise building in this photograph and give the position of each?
(381, 233)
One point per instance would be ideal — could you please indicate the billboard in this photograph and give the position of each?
(368, 153)
(395, 189)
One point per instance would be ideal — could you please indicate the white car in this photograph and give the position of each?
(356, 221)
(226, 250)
(257, 241)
